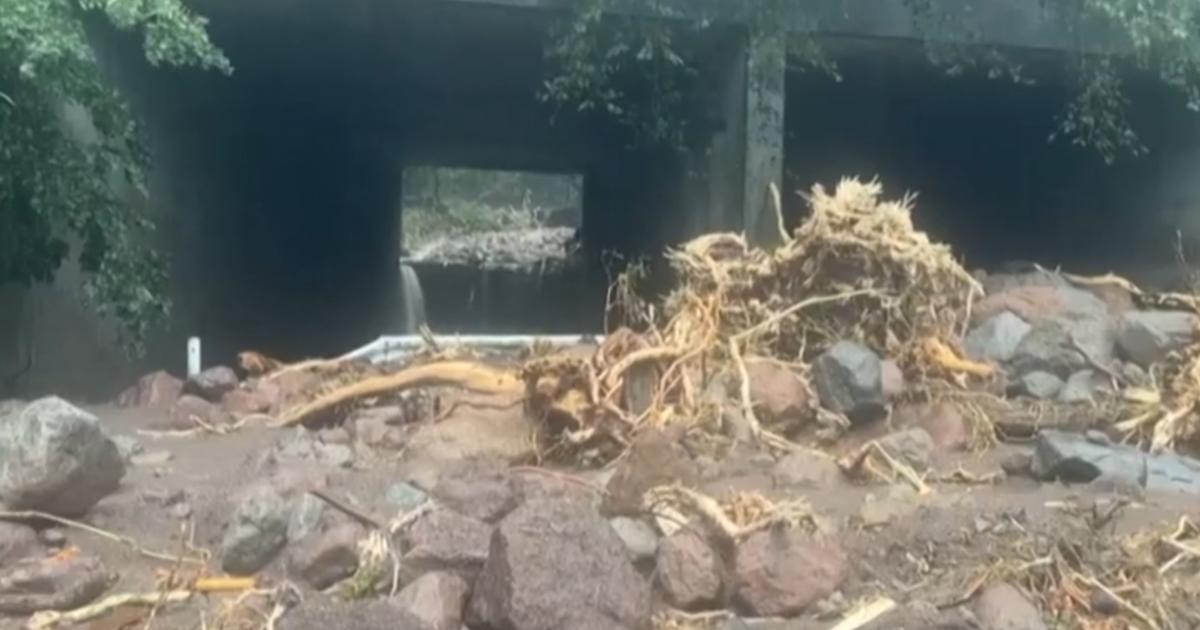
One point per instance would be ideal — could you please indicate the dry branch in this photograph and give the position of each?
(473, 377)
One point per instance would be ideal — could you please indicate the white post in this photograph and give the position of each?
(193, 356)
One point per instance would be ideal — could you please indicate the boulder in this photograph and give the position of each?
(942, 420)
(1039, 304)
(64, 582)
(689, 572)
(555, 564)
(211, 384)
(17, 542)
(641, 541)
(56, 458)
(1048, 347)
(445, 541)
(1146, 337)
(1082, 387)
(777, 391)
(434, 601)
(402, 497)
(1077, 458)
(487, 497)
(1002, 606)
(257, 531)
(322, 561)
(782, 573)
(849, 379)
(191, 412)
(654, 459)
(912, 446)
(157, 389)
(893, 379)
(996, 339)
(241, 402)
(1040, 385)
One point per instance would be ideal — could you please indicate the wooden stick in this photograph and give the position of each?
(357, 515)
(866, 614)
(29, 515)
(47, 619)
(473, 377)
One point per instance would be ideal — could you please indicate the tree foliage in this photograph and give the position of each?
(60, 189)
(603, 57)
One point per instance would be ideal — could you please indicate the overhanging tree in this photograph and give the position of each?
(58, 189)
(607, 57)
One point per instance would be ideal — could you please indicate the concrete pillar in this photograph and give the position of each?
(766, 69)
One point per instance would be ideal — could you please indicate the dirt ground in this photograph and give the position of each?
(914, 549)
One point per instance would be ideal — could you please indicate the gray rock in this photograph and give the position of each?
(557, 564)
(688, 572)
(849, 380)
(256, 533)
(1040, 385)
(434, 601)
(487, 497)
(52, 584)
(404, 497)
(1146, 337)
(445, 541)
(1075, 458)
(303, 445)
(640, 538)
(211, 384)
(127, 446)
(56, 458)
(996, 339)
(913, 446)
(17, 542)
(1047, 348)
(1081, 387)
(1002, 607)
(304, 516)
(329, 558)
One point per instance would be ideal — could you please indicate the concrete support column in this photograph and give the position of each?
(766, 69)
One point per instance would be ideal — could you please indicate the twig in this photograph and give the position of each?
(744, 389)
(801, 305)
(777, 206)
(51, 618)
(28, 515)
(1122, 602)
(864, 615)
(357, 515)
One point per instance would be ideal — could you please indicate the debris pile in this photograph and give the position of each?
(693, 471)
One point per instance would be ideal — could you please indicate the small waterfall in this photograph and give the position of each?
(413, 300)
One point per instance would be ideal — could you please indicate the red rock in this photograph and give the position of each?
(778, 391)
(1039, 304)
(445, 541)
(781, 573)
(654, 459)
(52, 584)
(556, 564)
(322, 561)
(434, 601)
(942, 420)
(688, 571)
(157, 389)
(243, 402)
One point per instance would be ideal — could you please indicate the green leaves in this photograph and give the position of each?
(64, 189)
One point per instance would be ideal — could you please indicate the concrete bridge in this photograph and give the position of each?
(279, 187)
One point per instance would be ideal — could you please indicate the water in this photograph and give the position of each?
(413, 299)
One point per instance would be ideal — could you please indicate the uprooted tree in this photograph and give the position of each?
(630, 58)
(63, 191)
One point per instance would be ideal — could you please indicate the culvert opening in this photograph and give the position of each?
(490, 251)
